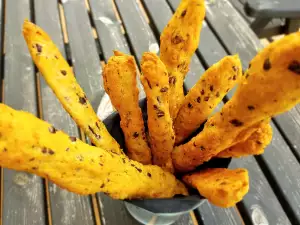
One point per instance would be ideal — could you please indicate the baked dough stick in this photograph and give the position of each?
(60, 77)
(254, 145)
(178, 42)
(222, 187)
(270, 86)
(206, 94)
(120, 84)
(32, 145)
(155, 81)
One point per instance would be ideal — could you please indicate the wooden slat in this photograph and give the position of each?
(140, 35)
(232, 30)
(108, 27)
(23, 194)
(260, 205)
(209, 214)
(85, 58)
(284, 169)
(290, 126)
(66, 207)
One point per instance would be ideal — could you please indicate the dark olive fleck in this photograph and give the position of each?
(251, 107)
(38, 48)
(94, 133)
(234, 77)
(194, 144)
(295, 67)
(218, 94)
(5, 150)
(34, 168)
(138, 169)
(56, 57)
(52, 130)
(258, 142)
(82, 100)
(67, 149)
(172, 80)
(32, 159)
(135, 134)
(223, 183)
(160, 113)
(148, 82)
(164, 89)
(206, 98)
(155, 107)
(235, 68)
(149, 175)
(63, 72)
(249, 66)
(50, 151)
(100, 164)
(236, 123)
(202, 92)
(102, 186)
(190, 105)
(183, 13)
(44, 150)
(211, 88)
(158, 99)
(97, 125)
(202, 148)
(267, 64)
(177, 39)
(199, 99)
(73, 139)
(124, 161)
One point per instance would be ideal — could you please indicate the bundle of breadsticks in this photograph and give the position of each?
(270, 86)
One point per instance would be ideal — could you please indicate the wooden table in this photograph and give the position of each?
(87, 32)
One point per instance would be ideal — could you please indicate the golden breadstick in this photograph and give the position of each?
(120, 84)
(178, 42)
(61, 79)
(270, 86)
(155, 81)
(32, 145)
(254, 145)
(221, 187)
(207, 93)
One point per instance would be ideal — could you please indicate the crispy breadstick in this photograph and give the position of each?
(120, 84)
(207, 93)
(155, 81)
(254, 145)
(270, 86)
(178, 42)
(32, 145)
(60, 77)
(221, 187)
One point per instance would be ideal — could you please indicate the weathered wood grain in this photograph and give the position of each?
(66, 207)
(260, 205)
(23, 194)
(210, 214)
(85, 58)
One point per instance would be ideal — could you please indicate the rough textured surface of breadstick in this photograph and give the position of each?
(178, 42)
(207, 93)
(270, 86)
(60, 77)
(254, 145)
(120, 84)
(155, 81)
(32, 145)
(221, 187)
